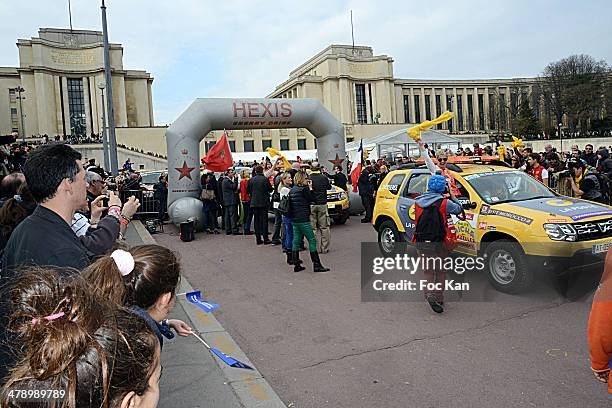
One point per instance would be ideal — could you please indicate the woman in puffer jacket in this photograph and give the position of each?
(300, 198)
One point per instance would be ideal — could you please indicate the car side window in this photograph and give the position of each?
(416, 185)
(462, 190)
(464, 196)
(394, 184)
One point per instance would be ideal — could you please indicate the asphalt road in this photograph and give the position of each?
(318, 345)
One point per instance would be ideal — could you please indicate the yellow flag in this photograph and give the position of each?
(415, 131)
(517, 143)
(501, 149)
(274, 153)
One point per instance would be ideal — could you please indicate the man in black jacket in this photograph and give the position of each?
(339, 178)
(319, 217)
(56, 179)
(366, 192)
(229, 188)
(259, 189)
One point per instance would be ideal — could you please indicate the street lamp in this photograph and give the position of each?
(109, 96)
(560, 136)
(101, 86)
(19, 90)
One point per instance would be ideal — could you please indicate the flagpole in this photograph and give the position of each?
(352, 32)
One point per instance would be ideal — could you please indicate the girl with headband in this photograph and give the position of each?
(143, 279)
(77, 349)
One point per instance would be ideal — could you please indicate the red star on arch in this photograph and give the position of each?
(337, 161)
(185, 171)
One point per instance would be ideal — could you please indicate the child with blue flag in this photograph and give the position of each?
(143, 279)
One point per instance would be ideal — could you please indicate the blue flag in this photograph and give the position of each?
(194, 297)
(232, 362)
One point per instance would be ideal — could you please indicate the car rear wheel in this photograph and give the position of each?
(341, 219)
(388, 237)
(507, 269)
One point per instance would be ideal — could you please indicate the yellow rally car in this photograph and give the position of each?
(338, 205)
(516, 223)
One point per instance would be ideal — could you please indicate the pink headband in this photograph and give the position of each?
(49, 318)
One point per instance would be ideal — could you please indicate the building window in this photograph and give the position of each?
(12, 97)
(209, 145)
(492, 111)
(349, 139)
(284, 144)
(265, 144)
(417, 108)
(76, 106)
(301, 144)
(439, 108)
(427, 107)
(460, 111)
(513, 104)
(371, 109)
(248, 146)
(470, 103)
(481, 121)
(406, 108)
(232, 145)
(315, 142)
(360, 101)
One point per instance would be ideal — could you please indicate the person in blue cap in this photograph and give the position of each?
(431, 234)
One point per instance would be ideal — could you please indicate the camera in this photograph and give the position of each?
(565, 173)
(105, 202)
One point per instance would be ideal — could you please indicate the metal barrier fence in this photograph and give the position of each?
(561, 185)
(148, 204)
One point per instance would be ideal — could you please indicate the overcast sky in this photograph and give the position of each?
(206, 48)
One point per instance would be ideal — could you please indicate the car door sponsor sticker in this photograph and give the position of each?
(512, 216)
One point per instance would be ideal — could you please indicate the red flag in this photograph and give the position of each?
(355, 176)
(219, 157)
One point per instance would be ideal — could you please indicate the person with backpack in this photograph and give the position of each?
(587, 183)
(432, 234)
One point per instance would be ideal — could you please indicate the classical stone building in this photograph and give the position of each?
(60, 71)
(360, 89)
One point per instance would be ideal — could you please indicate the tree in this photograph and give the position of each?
(526, 122)
(575, 87)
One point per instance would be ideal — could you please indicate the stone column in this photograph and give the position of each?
(66, 107)
(422, 102)
(486, 109)
(476, 110)
(411, 106)
(88, 120)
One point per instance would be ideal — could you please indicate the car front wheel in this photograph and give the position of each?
(507, 269)
(388, 237)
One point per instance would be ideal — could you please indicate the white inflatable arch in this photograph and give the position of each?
(206, 114)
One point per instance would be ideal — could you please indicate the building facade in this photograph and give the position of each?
(360, 89)
(61, 72)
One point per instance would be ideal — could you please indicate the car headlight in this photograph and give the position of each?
(561, 232)
(342, 196)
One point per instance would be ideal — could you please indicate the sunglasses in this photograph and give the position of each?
(442, 160)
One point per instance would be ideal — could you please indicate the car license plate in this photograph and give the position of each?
(599, 248)
(331, 206)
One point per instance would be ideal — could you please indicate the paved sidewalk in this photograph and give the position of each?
(192, 376)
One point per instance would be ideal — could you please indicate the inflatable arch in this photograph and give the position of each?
(204, 115)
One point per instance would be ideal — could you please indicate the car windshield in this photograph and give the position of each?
(507, 186)
(151, 178)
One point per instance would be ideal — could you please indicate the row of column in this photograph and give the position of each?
(463, 92)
